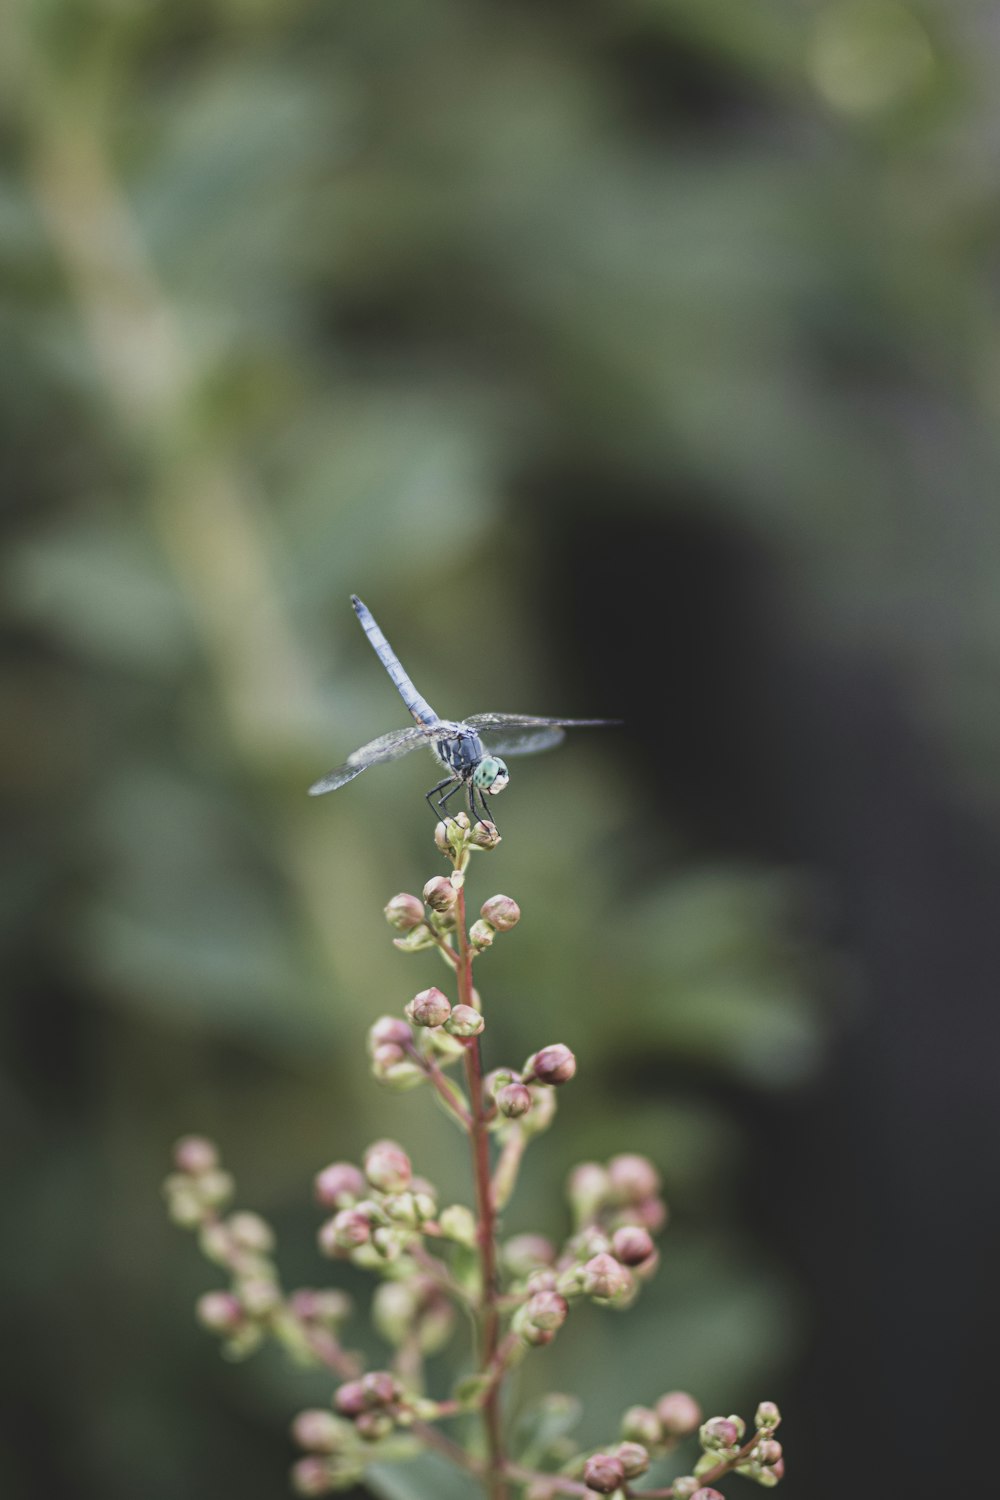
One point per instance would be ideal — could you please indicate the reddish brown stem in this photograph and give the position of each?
(489, 1330)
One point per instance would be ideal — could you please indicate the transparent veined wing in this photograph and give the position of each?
(523, 741)
(387, 747)
(524, 734)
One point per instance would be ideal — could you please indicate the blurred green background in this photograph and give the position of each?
(632, 357)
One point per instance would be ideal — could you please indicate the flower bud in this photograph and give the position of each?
(318, 1431)
(678, 1413)
(349, 1399)
(768, 1418)
(705, 1493)
(339, 1185)
(640, 1424)
(250, 1232)
(387, 1167)
(768, 1452)
(215, 1188)
(632, 1245)
(501, 912)
(634, 1459)
(481, 935)
(650, 1214)
(184, 1206)
(389, 1030)
(587, 1189)
(429, 1008)
(392, 1067)
(543, 1281)
(445, 836)
(525, 1253)
(513, 1100)
(547, 1310)
(633, 1178)
(344, 1232)
(542, 1112)
(458, 1223)
(327, 1307)
(373, 1425)
(719, 1434)
(220, 1312)
(484, 835)
(380, 1388)
(311, 1476)
(603, 1278)
(404, 912)
(555, 1064)
(194, 1154)
(416, 940)
(603, 1473)
(464, 1021)
(439, 894)
(684, 1486)
(259, 1296)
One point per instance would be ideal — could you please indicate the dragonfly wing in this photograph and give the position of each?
(527, 721)
(524, 741)
(387, 747)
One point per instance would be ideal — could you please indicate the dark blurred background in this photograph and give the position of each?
(632, 357)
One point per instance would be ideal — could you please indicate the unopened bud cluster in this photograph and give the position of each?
(431, 1259)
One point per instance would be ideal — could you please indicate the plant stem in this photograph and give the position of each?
(489, 1329)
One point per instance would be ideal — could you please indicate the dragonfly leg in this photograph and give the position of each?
(456, 788)
(434, 791)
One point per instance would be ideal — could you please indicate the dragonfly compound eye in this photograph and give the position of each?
(491, 775)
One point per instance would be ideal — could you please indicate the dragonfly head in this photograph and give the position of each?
(491, 775)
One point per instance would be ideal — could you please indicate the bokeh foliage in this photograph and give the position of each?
(299, 299)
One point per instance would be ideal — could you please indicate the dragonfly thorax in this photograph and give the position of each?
(461, 750)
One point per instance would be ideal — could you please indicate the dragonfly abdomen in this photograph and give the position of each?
(417, 705)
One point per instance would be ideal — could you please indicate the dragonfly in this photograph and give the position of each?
(457, 743)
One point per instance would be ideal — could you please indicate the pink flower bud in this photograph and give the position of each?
(344, 1232)
(553, 1065)
(464, 1021)
(513, 1100)
(650, 1214)
(429, 1008)
(633, 1178)
(439, 894)
(328, 1306)
(339, 1185)
(526, 1253)
(219, 1311)
(404, 912)
(778, 1469)
(547, 1310)
(373, 1425)
(634, 1459)
(632, 1245)
(259, 1296)
(380, 1388)
(678, 1413)
(387, 1167)
(705, 1493)
(768, 1452)
(603, 1278)
(389, 1030)
(194, 1154)
(501, 912)
(310, 1476)
(587, 1188)
(603, 1473)
(318, 1431)
(684, 1486)
(349, 1399)
(719, 1434)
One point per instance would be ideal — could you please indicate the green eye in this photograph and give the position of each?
(491, 774)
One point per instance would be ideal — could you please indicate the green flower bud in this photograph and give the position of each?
(259, 1295)
(251, 1232)
(768, 1418)
(603, 1278)
(458, 1223)
(404, 912)
(481, 935)
(372, 1426)
(588, 1188)
(464, 1021)
(215, 1188)
(685, 1486)
(344, 1232)
(640, 1424)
